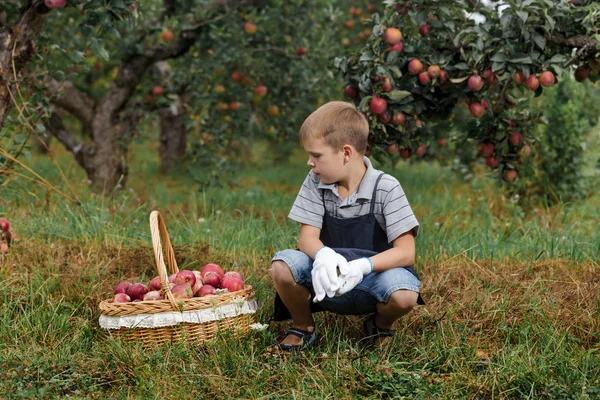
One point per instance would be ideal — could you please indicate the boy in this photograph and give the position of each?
(355, 223)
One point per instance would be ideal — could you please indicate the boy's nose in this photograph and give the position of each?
(310, 163)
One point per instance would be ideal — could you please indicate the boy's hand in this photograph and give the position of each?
(352, 274)
(324, 273)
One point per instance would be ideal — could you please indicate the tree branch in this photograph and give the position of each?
(81, 152)
(72, 100)
(586, 45)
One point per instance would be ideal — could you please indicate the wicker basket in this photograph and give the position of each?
(197, 319)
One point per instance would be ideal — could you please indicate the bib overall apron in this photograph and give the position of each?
(353, 238)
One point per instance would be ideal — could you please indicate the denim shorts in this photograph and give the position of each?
(376, 287)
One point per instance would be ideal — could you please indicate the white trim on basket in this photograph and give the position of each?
(172, 318)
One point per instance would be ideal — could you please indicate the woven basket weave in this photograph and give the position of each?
(198, 332)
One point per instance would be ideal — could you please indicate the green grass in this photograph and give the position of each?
(512, 293)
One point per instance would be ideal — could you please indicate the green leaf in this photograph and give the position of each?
(498, 57)
(551, 22)
(497, 66)
(366, 56)
(76, 56)
(364, 103)
(557, 59)
(539, 40)
(341, 63)
(480, 44)
(396, 71)
(523, 15)
(100, 51)
(18, 139)
(463, 66)
(40, 128)
(459, 80)
(397, 95)
(522, 60)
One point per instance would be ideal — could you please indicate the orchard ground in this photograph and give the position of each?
(512, 294)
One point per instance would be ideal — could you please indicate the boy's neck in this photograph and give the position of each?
(355, 175)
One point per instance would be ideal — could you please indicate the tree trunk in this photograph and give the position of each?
(173, 136)
(41, 144)
(17, 46)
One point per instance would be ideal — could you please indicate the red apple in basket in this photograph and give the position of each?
(155, 283)
(121, 298)
(122, 287)
(153, 295)
(198, 275)
(182, 291)
(185, 276)
(206, 290)
(232, 283)
(211, 278)
(212, 268)
(197, 286)
(137, 291)
(235, 274)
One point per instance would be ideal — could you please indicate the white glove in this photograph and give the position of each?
(324, 273)
(352, 274)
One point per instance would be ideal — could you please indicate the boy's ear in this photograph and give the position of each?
(348, 152)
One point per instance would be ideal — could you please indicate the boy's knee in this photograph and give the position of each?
(280, 272)
(403, 300)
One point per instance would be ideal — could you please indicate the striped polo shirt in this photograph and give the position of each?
(391, 205)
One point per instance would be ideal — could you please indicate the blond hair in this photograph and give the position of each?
(338, 123)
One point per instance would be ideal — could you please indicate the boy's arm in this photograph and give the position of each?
(401, 255)
(309, 242)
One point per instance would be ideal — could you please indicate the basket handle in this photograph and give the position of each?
(160, 237)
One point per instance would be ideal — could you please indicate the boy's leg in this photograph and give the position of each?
(296, 298)
(396, 291)
(401, 302)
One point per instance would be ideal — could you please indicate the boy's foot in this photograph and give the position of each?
(295, 339)
(374, 335)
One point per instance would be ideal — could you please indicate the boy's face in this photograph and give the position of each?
(326, 162)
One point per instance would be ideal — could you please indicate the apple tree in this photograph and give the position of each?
(426, 57)
(253, 76)
(220, 71)
(107, 115)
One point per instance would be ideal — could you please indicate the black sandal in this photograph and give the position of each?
(373, 332)
(308, 338)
